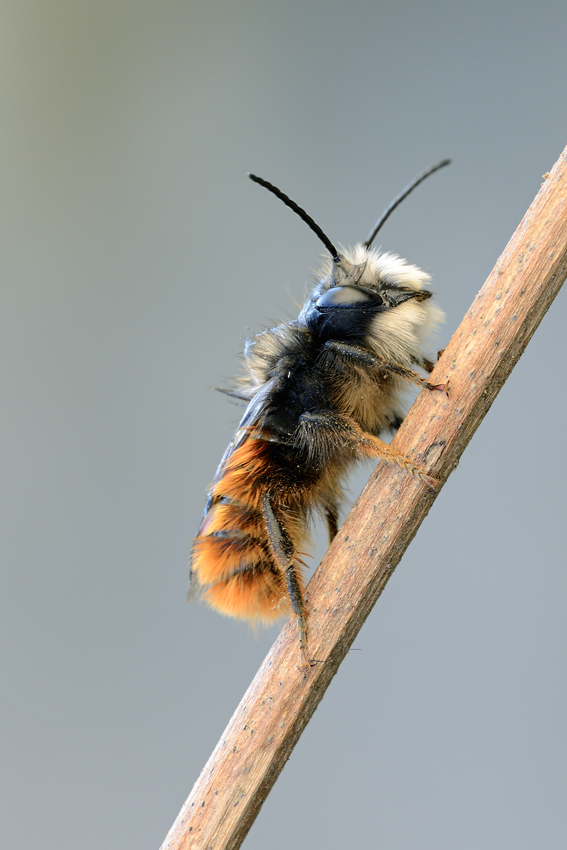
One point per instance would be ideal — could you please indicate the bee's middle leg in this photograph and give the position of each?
(332, 517)
(346, 432)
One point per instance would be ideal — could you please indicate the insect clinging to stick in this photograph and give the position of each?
(319, 391)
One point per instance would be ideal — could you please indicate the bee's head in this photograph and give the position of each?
(374, 299)
(367, 297)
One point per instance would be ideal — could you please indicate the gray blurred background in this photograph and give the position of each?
(136, 257)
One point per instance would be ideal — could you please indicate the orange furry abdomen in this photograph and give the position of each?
(232, 557)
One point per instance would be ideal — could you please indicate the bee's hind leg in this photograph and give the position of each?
(284, 553)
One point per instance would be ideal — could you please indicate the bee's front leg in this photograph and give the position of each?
(348, 352)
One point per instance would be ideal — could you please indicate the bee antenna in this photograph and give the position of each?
(301, 213)
(401, 197)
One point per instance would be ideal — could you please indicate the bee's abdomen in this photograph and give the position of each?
(232, 559)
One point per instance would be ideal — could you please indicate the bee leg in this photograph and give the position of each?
(332, 516)
(413, 377)
(347, 432)
(284, 553)
(429, 365)
(395, 423)
(373, 446)
(357, 354)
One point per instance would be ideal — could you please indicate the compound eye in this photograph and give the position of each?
(348, 296)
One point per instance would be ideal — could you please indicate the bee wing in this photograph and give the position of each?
(251, 418)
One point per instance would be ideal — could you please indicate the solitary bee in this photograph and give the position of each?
(319, 390)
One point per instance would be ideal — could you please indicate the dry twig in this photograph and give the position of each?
(280, 701)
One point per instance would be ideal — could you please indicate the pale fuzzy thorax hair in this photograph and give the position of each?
(385, 267)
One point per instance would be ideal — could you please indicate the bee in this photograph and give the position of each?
(319, 391)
